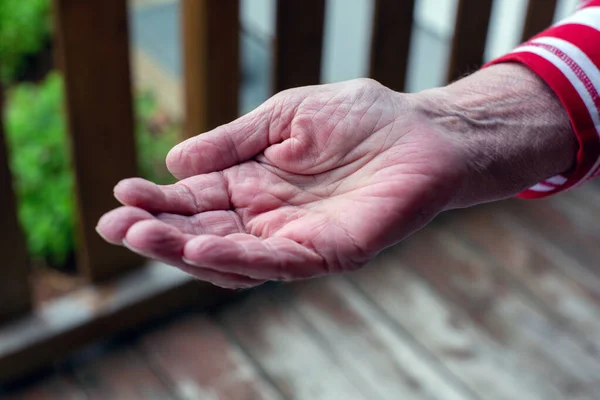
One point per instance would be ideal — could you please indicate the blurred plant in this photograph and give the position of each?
(35, 130)
(24, 30)
(40, 163)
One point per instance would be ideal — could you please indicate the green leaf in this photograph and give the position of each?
(24, 30)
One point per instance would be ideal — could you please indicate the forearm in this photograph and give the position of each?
(514, 129)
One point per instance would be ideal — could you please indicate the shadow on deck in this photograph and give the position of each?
(501, 301)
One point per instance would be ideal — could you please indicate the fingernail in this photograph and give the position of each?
(100, 233)
(188, 261)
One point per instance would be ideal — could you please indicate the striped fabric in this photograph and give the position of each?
(567, 57)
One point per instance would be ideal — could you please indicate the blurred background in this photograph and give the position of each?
(498, 302)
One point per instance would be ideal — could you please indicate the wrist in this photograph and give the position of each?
(513, 131)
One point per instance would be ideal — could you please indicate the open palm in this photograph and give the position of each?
(317, 180)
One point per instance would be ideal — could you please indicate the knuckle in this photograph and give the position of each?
(369, 83)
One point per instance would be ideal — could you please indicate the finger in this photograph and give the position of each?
(274, 258)
(190, 196)
(221, 279)
(113, 225)
(237, 141)
(160, 241)
(220, 223)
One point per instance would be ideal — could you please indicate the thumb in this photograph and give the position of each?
(235, 142)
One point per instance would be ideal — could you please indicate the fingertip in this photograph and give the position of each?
(171, 160)
(208, 249)
(136, 192)
(155, 238)
(126, 244)
(188, 261)
(102, 235)
(175, 160)
(148, 230)
(113, 225)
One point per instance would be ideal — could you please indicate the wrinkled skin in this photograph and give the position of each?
(315, 181)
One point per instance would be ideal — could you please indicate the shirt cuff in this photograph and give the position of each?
(567, 58)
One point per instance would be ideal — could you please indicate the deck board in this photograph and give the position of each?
(294, 359)
(59, 386)
(546, 220)
(449, 334)
(571, 301)
(497, 302)
(202, 364)
(502, 311)
(122, 374)
(390, 364)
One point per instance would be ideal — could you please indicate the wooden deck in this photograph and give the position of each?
(497, 302)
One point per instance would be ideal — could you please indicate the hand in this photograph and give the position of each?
(317, 180)
(320, 179)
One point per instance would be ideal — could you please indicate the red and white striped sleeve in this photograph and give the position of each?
(567, 57)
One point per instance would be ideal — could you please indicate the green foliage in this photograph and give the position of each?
(43, 179)
(40, 163)
(24, 29)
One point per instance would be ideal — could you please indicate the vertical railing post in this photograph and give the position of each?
(539, 16)
(94, 44)
(211, 63)
(15, 295)
(390, 43)
(299, 43)
(470, 36)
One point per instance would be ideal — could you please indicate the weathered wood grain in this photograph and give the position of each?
(449, 334)
(121, 374)
(279, 340)
(571, 299)
(94, 312)
(547, 221)
(201, 363)
(580, 206)
(498, 307)
(381, 357)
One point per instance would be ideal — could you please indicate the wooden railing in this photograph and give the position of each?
(92, 43)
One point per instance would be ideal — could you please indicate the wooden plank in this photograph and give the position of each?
(299, 43)
(196, 357)
(470, 36)
(211, 63)
(91, 313)
(573, 301)
(94, 41)
(569, 265)
(391, 364)
(280, 341)
(121, 374)
(539, 16)
(56, 387)
(508, 317)
(444, 330)
(546, 220)
(390, 42)
(581, 207)
(14, 286)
